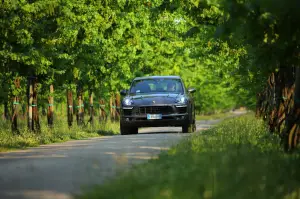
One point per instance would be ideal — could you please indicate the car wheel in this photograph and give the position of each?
(128, 130)
(188, 128)
(124, 130)
(134, 130)
(194, 128)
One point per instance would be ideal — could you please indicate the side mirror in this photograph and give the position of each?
(191, 90)
(123, 92)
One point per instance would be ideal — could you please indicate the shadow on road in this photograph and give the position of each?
(159, 132)
(57, 171)
(61, 169)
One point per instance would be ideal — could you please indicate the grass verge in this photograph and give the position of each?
(59, 133)
(214, 116)
(237, 159)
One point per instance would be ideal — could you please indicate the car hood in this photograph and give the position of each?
(152, 99)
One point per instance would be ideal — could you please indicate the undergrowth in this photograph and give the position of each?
(236, 159)
(59, 133)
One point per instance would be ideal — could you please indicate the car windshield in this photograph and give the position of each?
(161, 85)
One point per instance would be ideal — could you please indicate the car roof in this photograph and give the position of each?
(157, 77)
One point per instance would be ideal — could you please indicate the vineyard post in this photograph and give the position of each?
(102, 113)
(91, 101)
(50, 107)
(100, 110)
(70, 107)
(80, 106)
(30, 121)
(35, 106)
(14, 120)
(6, 111)
(112, 108)
(118, 105)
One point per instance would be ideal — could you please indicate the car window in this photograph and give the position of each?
(163, 85)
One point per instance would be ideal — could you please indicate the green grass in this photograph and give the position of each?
(214, 116)
(60, 133)
(238, 159)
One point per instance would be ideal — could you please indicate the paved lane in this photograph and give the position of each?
(57, 170)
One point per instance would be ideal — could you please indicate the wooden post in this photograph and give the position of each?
(70, 107)
(102, 112)
(30, 101)
(14, 119)
(80, 106)
(118, 104)
(15, 109)
(35, 107)
(6, 111)
(112, 108)
(91, 111)
(50, 113)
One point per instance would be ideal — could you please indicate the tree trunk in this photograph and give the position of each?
(277, 96)
(80, 106)
(118, 104)
(102, 113)
(14, 119)
(100, 110)
(286, 98)
(292, 131)
(70, 107)
(259, 101)
(91, 100)
(30, 122)
(6, 111)
(50, 114)
(35, 110)
(112, 107)
(15, 110)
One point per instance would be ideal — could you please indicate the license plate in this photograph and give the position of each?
(154, 116)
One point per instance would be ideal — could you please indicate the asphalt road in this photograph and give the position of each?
(58, 170)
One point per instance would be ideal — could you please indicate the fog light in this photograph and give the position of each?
(127, 119)
(182, 117)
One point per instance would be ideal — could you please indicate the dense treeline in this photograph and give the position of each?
(269, 32)
(264, 37)
(81, 53)
(234, 52)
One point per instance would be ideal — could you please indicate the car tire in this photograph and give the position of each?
(188, 128)
(194, 127)
(134, 130)
(128, 130)
(124, 130)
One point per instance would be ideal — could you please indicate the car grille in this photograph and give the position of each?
(155, 110)
(182, 110)
(127, 112)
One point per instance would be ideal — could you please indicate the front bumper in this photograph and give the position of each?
(176, 117)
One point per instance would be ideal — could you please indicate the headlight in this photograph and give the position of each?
(181, 100)
(127, 101)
